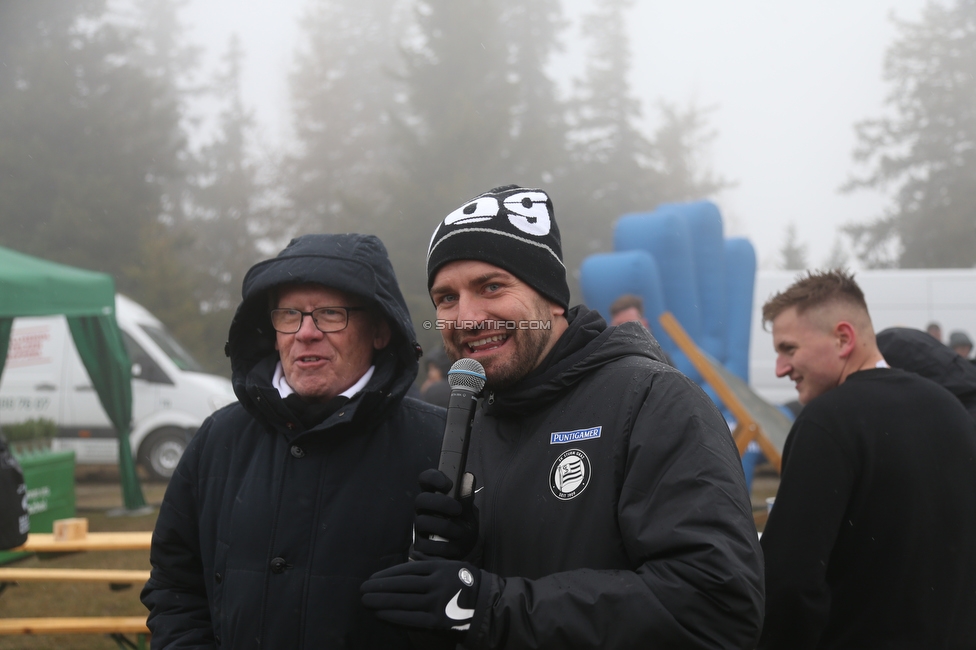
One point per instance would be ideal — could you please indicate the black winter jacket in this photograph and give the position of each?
(614, 512)
(921, 353)
(269, 525)
(872, 541)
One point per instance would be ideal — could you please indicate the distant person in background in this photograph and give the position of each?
(435, 389)
(960, 343)
(628, 307)
(436, 367)
(935, 331)
(872, 541)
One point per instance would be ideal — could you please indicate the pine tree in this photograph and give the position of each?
(838, 258)
(680, 144)
(455, 136)
(225, 215)
(616, 167)
(609, 148)
(85, 145)
(926, 149)
(793, 255)
(457, 123)
(225, 219)
(344, 94)
(538, 116)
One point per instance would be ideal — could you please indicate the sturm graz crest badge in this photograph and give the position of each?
(570, 474)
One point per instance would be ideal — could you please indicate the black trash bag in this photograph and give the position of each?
(14, 518)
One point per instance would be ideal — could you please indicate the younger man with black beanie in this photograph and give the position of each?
(612, 511)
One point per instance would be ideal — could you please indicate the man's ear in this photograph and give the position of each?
(846, 336)
(381, 334)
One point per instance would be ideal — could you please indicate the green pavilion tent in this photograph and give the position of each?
(30, 286)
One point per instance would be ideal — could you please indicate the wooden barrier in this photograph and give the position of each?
(45, 543)
(115, 627)
(756, 419)
(112, 576)
(75, 625)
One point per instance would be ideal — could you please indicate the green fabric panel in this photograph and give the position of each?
(6, 324)
(99, 344)
(100, 347)
(36, 287)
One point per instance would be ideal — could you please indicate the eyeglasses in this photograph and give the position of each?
(326, 319)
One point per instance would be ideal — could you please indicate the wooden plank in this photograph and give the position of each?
(772, 423)
(708, 373)
(75, 625)
(114, 576)
(755, 418)
(117, 541)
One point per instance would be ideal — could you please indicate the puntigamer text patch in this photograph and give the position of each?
(562, 437)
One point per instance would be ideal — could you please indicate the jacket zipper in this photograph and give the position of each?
(502, 480)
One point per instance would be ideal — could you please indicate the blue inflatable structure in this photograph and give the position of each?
(677, 259)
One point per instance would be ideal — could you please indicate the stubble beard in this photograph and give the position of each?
(525, 355)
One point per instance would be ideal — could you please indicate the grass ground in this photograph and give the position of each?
(97, 491)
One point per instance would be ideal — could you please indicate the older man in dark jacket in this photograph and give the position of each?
(285, 502)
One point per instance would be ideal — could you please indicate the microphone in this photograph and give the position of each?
(467, 379)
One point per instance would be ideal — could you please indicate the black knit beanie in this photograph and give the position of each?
(513, 228)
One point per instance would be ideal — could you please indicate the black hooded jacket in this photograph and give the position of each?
(614, 512)
(918, 352)
(277, 511)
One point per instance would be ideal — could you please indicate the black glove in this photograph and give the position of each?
(425, 594)
(444, 527)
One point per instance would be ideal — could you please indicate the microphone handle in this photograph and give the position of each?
(457, 435)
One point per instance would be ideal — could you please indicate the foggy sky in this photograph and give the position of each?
(787, 82)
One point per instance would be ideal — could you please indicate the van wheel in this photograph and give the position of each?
(161, 451)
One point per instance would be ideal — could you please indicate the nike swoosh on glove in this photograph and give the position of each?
(426, 594)
(444, 527)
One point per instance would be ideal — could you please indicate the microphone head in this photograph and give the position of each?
(467, 374)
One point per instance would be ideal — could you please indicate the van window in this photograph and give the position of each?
(149, 370)
(180, 357)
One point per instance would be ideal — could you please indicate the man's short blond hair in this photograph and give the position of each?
(817, 289)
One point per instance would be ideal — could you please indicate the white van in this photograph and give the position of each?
(896, 298)
(45, 378)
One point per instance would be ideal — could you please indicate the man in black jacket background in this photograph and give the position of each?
(872, 540)
(611, 510)
(286, 501)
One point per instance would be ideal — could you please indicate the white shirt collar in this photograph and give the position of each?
(285, 389)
